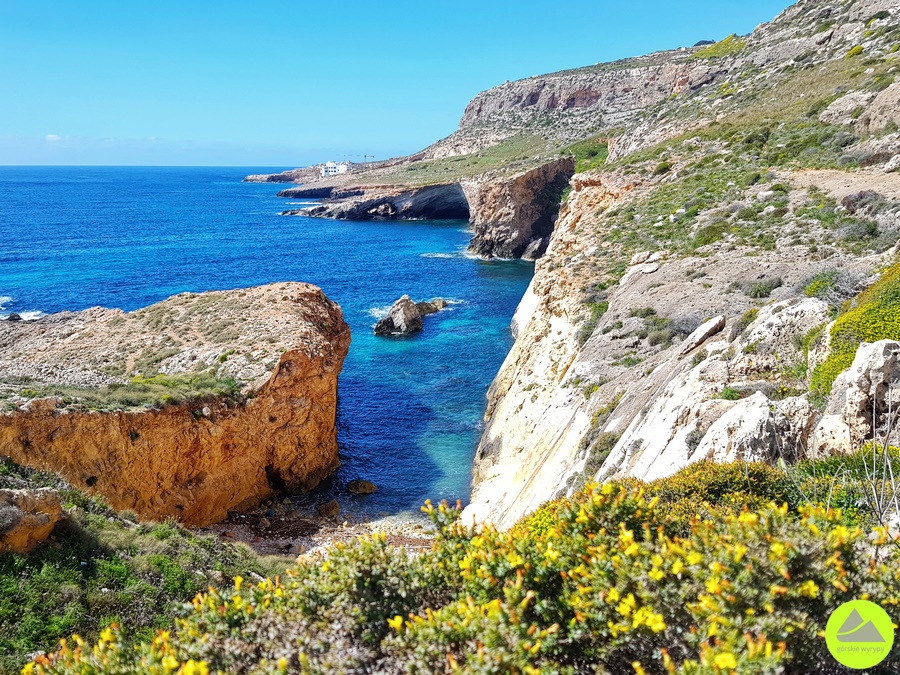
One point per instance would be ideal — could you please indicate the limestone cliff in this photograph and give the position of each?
(192, 407)
(514, 215)
(368, 202)
(683, 308)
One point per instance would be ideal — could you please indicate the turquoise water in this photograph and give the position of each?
(409, 409)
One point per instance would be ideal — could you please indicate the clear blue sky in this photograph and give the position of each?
(194, 82)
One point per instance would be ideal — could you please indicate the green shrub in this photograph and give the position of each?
(727, 47)
(730, 394)
(593, 584)
(875, 316)
(855, 51)
(101, 569)
(662, 167)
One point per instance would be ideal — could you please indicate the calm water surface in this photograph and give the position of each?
(409, 410)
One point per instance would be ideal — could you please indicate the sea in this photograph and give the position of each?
(410, 409)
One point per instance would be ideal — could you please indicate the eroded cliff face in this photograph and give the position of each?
(515, 215)
(383, 202)
(68, 379)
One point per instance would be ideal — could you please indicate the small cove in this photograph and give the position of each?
(409, 409)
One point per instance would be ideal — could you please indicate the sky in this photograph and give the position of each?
(284, 84)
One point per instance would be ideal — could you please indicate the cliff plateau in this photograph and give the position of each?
(187, 409)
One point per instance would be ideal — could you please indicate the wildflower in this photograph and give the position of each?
(238, 580)
(396, 623)
(809, 589)
(725, 660)
(194, 668)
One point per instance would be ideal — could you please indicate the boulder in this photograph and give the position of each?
(403, 318)
(361, 487)
(328, 509)
(431, 306)
(536, 249)
(14, 317)
(893, 164)
(27, 517)
(703, 333)
(862, 399)
(748, 432)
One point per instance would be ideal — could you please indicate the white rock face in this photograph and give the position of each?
(860, 399)
(703, 333)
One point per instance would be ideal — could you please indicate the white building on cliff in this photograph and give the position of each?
(333, 168)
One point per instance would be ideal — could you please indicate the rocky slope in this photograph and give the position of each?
(686, 305)
(192, 407)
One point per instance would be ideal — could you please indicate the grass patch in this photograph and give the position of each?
(142, 392)
(589, 154)
(101, 569)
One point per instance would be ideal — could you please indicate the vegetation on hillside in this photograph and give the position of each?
(101, 568)
(138, 392)
(873, 316)
(698, 573)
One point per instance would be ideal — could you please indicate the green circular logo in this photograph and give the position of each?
(859, 634)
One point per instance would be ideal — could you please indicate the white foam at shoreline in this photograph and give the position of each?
(379, 312)
(440, 255)
(5, 300)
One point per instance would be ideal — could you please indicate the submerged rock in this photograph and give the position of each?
(329, 509)
(361, 487)
(431, 306)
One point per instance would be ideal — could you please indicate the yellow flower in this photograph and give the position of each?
(748, 518)
(612, 596)
(237, 582)
(677, 566)
(777, 549)
(714, 585)
(106, 635)
(638, 669)
(465, 564)
(725, 660)
(396, 623)
(739, 552)
(28, 669)
(693, 558)
(656, 574)
(194, 668)
(809, 589)
(283, 664)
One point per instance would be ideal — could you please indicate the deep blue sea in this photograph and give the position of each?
(409, 409)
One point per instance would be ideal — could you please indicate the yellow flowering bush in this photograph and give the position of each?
(607, 585)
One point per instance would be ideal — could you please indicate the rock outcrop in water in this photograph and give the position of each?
(384, 202)
(405, 316)
(187, 409)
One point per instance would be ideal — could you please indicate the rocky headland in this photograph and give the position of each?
(187, 409)
(723, 206)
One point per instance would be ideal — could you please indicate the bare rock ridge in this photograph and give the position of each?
(198, 405)
(383, 202)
